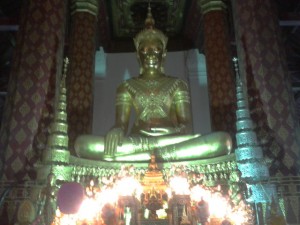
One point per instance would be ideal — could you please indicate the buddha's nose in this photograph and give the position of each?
(151, 51)
(151, 56)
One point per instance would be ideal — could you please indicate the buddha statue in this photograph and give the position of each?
(162, 109)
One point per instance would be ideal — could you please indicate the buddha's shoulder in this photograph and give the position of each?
(129, 82)
(171, 80)
(176, 81)
(126, 85)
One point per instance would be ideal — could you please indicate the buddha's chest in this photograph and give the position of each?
(152, 93)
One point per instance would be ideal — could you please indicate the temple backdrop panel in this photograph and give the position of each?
(188, 65)
(197, 77)
(31, 90)
(264, 70)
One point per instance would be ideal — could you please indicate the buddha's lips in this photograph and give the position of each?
(152, 61)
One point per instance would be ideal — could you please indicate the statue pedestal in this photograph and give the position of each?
(154, 190)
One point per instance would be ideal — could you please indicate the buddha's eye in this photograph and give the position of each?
(143, 51)
(157, 50)
(150, 50)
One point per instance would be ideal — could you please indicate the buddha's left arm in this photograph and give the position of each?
(182, 107)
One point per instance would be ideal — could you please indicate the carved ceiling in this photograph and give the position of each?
(128, 16)
(126, 19)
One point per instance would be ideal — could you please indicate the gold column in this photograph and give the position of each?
(88, 6)
(82, 48)
(220, 76)
(211, 5)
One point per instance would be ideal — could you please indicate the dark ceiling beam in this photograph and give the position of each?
(292, 23)
(9, 27)
(9, 24)
(289, 19)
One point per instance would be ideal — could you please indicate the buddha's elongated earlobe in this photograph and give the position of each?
(162, 69)
(139, 62)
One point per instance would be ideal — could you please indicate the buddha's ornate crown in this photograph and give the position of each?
(150, 32)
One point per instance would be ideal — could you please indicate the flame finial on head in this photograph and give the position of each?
(149, 22)
(150, 32)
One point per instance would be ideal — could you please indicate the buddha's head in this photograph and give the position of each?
(150, 44)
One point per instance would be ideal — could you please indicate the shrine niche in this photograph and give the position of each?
(182, 192)
(158, 173)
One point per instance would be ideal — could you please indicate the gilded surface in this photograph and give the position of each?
(89, 6)
(162, 108)
(153, 99)
(26, 212)
(56, 156)
(211, 5)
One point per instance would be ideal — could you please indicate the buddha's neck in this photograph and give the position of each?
(151, 74)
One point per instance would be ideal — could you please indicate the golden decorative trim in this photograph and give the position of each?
(226, 159)
(57, 156)
(211, 5)
(63, 173)
(58, 142)
(26, 212)
(89, 6)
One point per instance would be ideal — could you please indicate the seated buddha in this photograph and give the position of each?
(162, 109)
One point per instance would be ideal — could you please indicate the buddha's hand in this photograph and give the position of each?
(112, 139)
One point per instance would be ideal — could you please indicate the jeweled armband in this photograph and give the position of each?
(181, 96)
(123, 99)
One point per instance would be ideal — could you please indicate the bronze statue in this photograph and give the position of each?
(162, 107)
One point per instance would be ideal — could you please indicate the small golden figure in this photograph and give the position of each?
(153, 165)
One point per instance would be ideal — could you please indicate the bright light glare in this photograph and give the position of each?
(180, 186)
(198, 193)
(223, 209)
(128, 186)
(218, 206)
(88, 209)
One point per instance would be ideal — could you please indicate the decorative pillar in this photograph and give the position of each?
(82, 67)
(264, 69)
(220, 75)
(57, 153)
(249, 156)
(31, 89)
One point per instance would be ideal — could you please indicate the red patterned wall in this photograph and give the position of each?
(80, 74)
(269, 88)
(31, 87)
(221, 84)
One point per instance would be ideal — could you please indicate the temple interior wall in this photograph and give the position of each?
(112, 68)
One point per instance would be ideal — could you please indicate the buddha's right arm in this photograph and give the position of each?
(115, 136)
(181, 101)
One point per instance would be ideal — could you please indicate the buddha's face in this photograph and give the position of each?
(150, 54)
